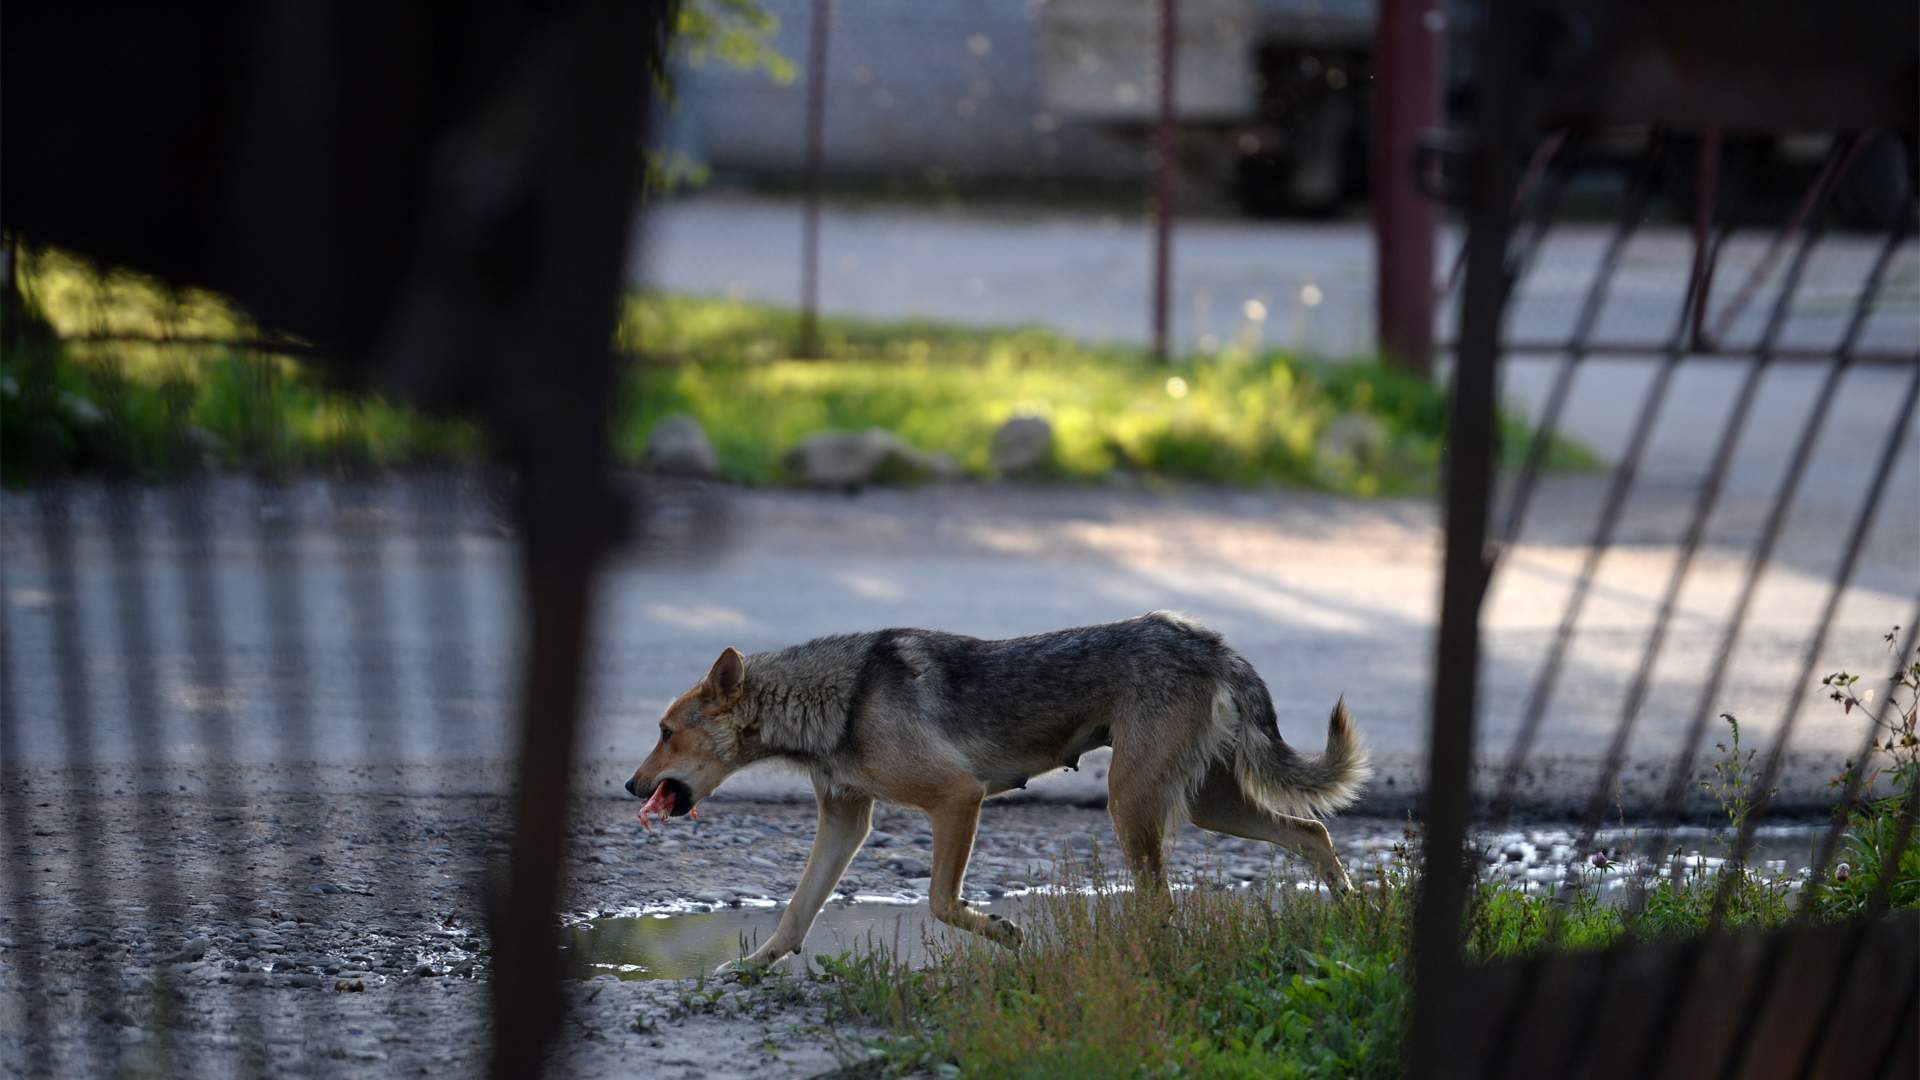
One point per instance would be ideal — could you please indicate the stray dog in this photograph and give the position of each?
(942, 721)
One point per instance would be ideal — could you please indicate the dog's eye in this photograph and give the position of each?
(666, 735)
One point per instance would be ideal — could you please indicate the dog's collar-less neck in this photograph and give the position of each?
(793, 713)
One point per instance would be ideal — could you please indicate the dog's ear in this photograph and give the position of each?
(727, 674)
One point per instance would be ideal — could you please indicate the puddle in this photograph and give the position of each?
(670, 946)
(682, 940)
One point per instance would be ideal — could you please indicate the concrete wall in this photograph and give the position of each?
(914, 87)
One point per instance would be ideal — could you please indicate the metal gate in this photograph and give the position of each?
(1555, 80)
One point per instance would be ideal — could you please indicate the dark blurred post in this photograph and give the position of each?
(1165, 150)
(1493, 175)
(1406, 101)
(816, 131)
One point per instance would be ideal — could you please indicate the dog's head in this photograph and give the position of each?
(702, 741)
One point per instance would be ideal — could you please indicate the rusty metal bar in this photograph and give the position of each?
(1166, 151)
(1652, 349)
(1703, 712)
(1549, 154)
(1406, 102)
(1623, 477)
(1705, 501)
(1770, 770)
(814, 165)
(1632, 211)
(1469, 492)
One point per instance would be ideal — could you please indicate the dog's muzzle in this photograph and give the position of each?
(670, 798)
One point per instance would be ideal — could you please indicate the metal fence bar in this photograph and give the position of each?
(1856, 541)
(54, 522)
(124, 519)
(1706, 499)
(1850, 791)
(30, 946)
(1770, 772)
(1166, 154)
(1623, 477)
(1704, 709)
(203, 600)
(817, 31)
(1830, 1002)
(1878, 357)
(1407, 103)
(1685, 973)
(1632, 212)
(1469, 479)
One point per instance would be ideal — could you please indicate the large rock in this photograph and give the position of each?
(678, 446)
(1023, 444)
(854, 458)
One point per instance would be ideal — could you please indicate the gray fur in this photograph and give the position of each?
(1019, 707)
(941, 721)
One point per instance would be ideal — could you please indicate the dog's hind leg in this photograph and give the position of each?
(1221, 807)
(1140, 799)
(844, 822)
(954, 821)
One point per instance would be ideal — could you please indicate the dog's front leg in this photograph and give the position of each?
(843, 826)
(954, 823)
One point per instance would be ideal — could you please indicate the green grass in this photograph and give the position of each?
(1276, 982)
(1237, 417)
(1216, 982)
(1233, 418)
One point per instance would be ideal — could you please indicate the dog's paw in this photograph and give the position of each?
(1004, 931)
(744, 968)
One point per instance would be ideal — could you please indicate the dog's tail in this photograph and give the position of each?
(1283, 781)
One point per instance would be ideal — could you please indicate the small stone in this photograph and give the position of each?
(188, 951)
(1023, 444)
(303, 979)
(425, 971)
(847, 459)
(678, 446)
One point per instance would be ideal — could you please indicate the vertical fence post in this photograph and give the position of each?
(816, 131)
(1406, 101)
(1469, 480)
(1165, 152)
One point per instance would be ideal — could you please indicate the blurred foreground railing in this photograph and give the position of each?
(1826, 1000)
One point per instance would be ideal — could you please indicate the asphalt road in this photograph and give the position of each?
(353, 623)
(376, 624)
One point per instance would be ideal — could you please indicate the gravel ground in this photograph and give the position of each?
(311, 922)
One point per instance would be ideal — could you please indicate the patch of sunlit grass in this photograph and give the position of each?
(1234, 418)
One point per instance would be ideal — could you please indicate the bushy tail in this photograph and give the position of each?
(1283, 781)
